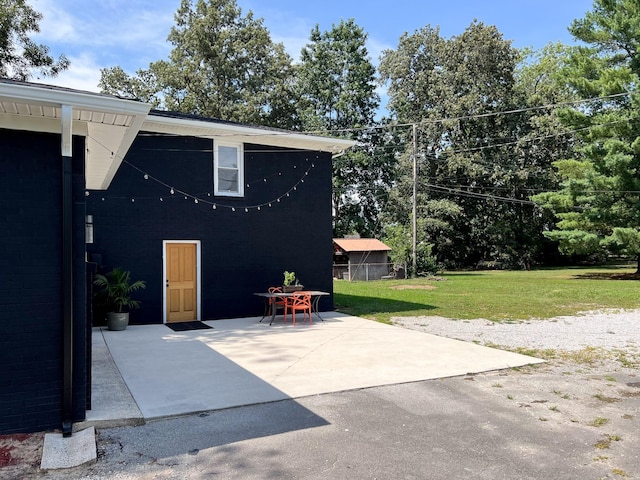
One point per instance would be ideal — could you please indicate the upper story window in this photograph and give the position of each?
(228, 170)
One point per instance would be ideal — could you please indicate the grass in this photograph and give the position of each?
(599, 422)
(494, 295)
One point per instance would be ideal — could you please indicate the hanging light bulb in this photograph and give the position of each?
(233, 209)
(246, 209)
(172, 191)
(146, 176)
(214, 206)
(195, 200)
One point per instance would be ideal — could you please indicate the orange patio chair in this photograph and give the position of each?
(276, 302)
(298, 302)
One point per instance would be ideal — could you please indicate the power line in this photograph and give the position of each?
(470, 117)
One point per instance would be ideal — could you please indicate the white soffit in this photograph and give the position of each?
(244, 134)
(109, 123)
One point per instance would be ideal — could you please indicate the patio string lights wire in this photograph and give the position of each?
(206, 198)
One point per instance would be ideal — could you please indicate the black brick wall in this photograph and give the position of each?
(242, 252)
(30, 282)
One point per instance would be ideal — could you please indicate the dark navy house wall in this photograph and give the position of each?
(30, 275)
(242, 252)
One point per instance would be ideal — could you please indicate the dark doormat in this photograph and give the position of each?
(184, 326)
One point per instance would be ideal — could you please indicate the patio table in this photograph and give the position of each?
(315, 299)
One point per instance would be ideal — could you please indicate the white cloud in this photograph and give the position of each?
(56, 24)
(83, 74)
(128, 33)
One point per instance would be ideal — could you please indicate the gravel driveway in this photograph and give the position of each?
(619, 329)
(591, 380)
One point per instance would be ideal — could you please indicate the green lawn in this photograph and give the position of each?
(494, 295)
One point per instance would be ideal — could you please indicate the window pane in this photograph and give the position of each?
(227, 157)
(227, 180)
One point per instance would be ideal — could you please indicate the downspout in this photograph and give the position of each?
(67, 271)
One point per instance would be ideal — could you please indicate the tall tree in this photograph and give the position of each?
(336, 88)
(223, 65)
(20, 57)
(475, 163)
(598, 206)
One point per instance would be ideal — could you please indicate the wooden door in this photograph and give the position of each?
(181, 282)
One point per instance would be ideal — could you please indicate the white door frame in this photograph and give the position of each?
(164, 277)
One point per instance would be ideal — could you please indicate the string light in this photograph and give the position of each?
(201, 198)
(198, 198)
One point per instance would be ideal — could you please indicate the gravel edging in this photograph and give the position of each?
(608, 329)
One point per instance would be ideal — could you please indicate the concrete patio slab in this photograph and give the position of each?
(243, 362)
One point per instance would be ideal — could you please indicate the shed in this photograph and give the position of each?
(360, 259)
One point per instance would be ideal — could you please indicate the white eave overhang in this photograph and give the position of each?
(110, 124)
(244, 134)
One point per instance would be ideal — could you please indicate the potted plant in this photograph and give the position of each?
(115, 291)
(290, 282)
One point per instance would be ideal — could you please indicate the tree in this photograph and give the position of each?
(336, 88)
(223, 65)
(598, 206)
(475, 162)
(20, 56)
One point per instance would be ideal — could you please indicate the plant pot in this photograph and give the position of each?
(292, 288)
(117, 321)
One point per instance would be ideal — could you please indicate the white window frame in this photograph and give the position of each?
(240, 169)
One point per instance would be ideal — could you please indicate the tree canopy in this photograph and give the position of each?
(223, 65)
(598, 206)
(475, 159)
(336, 91)
(21, 58)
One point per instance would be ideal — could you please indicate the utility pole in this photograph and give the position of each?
(415, 200)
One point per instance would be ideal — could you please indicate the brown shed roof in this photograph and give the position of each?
(360, 244)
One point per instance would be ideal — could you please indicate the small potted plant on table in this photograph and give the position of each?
(291, 283)
(115, 291)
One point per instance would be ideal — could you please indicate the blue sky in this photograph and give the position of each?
(96, 34)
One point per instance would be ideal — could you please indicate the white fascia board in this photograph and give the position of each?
(78, 100)
(244, 134)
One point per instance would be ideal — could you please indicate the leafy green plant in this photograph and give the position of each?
(116, 289)
(289, 278)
